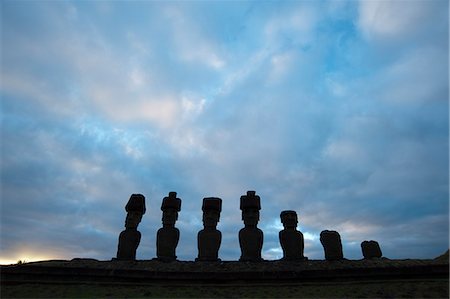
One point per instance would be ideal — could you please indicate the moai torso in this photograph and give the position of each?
(332, 245)
(251, 238)
(209, 238)
(291, 239)
(166, 243)
(251, 241)
(208, 245)
(130, 238)
(371, 249)
(168, 236)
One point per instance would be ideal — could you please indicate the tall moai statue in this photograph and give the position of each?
(209, 238)
(332, 245)
(168, 236)
(250, 237)
(291, 239)
(129, 238)
(371, 249)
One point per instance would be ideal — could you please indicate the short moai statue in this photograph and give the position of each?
(168, 236)
(129, 238)
(371, 249)
(332, 245)
(209, 238)
(291, 239)
(250, 237)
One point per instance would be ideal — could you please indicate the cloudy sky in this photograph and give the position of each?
(335, 109)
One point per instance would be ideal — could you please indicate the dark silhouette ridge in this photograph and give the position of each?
(250, 237)
(291, 239)
(209, 238)
(129, 238)
(168, 236)
(371, 249)
(332, 245)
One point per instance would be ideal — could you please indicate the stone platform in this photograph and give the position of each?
(153, 271)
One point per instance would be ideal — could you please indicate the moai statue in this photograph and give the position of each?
(129, 238)
(168, 236)
(371, 249)
(291, 239)
(331, 242)
(209, 238)
(250, 237)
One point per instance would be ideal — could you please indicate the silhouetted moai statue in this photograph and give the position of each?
(250, 237)
(371, 249)
(209, 238)
(331, 242)
(291, 239)
(168, 236)
(129, 238)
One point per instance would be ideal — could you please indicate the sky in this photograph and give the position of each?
(338, 110)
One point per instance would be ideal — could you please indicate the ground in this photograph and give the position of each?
(85, 278)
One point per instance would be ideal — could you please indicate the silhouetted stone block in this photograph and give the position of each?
(130, 238)
(209, 238)
(250, 237)
(371, 249)
(291, 239)
(332, 245)
(168, 236)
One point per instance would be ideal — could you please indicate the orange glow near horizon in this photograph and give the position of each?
(27, 257)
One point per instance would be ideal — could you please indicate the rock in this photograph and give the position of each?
(332, 245)
(371, 249)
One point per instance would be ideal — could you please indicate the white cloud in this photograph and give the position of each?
(298, 24)
(281, 65)
(192, 107)
(357, 231)
(192, 44)
(234, 78)
(394, 19)
(310, 236)
(138, 78)
(418, 77)
(344, 151)
(272, 253)
(30, 88)
(336, 86)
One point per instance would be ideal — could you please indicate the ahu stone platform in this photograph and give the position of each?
(154, 271)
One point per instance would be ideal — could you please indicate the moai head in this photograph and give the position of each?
(212, 206)
(250, 206)
(135, 209)
(170, 206)
(289, 219)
